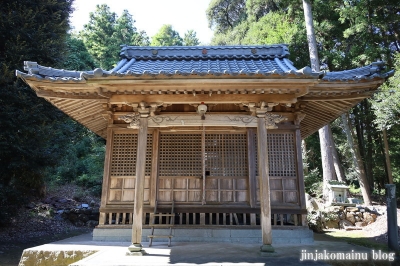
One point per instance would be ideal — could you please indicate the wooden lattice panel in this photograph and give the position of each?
(282, 168)
(180, 155)
(226, 154)
(180, 168)
(226, 168)
(123, 167)
(281, 154)
(123, 160)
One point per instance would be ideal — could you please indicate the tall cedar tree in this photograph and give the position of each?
(29, 31)
(105, 32)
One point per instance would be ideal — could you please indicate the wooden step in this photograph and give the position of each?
(155, 226)
(162, 215)
(160, 236)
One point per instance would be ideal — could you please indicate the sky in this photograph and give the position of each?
(150, 15)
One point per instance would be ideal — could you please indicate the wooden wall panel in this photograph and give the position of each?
(282, 160)
(123, 167)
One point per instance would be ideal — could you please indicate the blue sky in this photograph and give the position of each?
(150, 15)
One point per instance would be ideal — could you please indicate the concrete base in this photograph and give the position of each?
(285, 236)
(190, 253)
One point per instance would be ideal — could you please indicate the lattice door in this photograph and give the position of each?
(282, 168)
(180, 168)
(123, 168)
(226, 168)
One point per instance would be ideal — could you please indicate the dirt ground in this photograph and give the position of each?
(37, 223)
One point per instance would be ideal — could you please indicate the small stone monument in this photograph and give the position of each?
(337, 192)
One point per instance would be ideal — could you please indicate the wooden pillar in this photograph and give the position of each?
(264, 185)
(106, 174)
(136, 246)
(139, 185)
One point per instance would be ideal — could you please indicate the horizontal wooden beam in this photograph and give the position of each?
(53, 95)
(198, 98)
(208, 209)
(335, 97)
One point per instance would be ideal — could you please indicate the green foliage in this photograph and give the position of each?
(313, 183)
(34, 31)
(272, 28)
(386, 103)
(166, 36)
(224, 15)
(82, 162)
(78, 57)
(105, 32)
(190, 38)
(256, 9)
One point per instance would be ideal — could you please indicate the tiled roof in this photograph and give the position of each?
(205, 60)
(368, 72)
(201, 60)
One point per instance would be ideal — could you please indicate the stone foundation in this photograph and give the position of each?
(285, 236)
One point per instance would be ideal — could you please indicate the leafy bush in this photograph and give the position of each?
(313, 183)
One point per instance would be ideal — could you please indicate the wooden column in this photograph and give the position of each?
(264, 185)
(252, 168)
(106, 175)
(139, 185)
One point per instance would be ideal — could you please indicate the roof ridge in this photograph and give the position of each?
(185, 52)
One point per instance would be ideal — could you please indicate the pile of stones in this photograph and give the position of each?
(81, 215)
(59, 208)
(348, 218)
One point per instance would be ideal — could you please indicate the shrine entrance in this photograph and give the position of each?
(203, 168)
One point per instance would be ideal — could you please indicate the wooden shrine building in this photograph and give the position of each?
(214, 131)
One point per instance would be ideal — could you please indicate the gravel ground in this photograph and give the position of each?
(378, 229)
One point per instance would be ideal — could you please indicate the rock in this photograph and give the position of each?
(79, 223)
(360, 224)
(63, 201)
(332, 224)
(352, 209)
(83, 217)
(30, 206)
(93, 203)
(369, 217)
(333, 209)
(343, 224)
(64, 257)
(311, 205)
(342, 215)
(92, 223)
(350, 217)
(357, 218)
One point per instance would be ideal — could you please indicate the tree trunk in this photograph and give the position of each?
(387, 158)
(357, 160)
(324, 136)
(336, 162)
(328, 170)
(305, 157)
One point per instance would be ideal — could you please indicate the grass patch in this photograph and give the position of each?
(357, 237)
